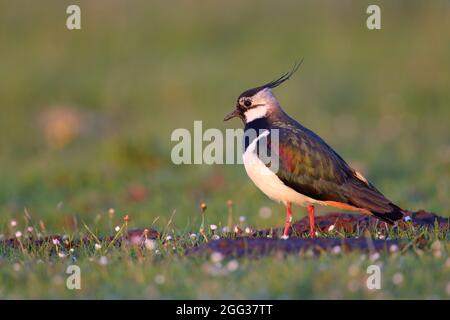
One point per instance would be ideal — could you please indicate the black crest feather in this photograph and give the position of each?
(272, 84)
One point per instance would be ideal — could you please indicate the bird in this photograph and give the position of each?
(310, 173)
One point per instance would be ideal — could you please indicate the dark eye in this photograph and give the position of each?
(247, 102)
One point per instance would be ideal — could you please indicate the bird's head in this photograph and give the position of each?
(259, 102)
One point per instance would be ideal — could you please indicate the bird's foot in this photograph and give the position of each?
(287, 224)
(312, 225)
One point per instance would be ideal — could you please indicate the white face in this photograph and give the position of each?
(256, 113)
(258, 106)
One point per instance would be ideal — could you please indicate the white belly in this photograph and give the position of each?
(268, 182)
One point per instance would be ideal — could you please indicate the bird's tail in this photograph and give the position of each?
(390, 216)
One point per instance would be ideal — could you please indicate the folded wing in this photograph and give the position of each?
(311, 167)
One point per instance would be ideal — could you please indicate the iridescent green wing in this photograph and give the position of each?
(311, 167)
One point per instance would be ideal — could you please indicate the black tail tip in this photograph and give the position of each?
(391, 216)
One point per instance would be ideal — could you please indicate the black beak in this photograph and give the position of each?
(233, 114)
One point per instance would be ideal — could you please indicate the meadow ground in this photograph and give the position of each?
(86, 119)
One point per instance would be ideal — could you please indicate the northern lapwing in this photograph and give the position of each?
(309, 171)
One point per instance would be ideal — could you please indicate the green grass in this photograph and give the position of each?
(160, 269)
(137, 71)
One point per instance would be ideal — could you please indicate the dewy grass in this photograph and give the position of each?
(159, 268)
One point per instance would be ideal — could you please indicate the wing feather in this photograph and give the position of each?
(311, 167)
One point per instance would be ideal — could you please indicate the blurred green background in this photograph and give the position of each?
(86, 116)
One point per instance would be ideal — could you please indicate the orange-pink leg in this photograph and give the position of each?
(312, 226)
(287, 225)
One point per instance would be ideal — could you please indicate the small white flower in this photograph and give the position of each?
(168, 238)
(61, 254)
(393, 248)
(284, 237)
(55, 241)
(13, 223)
(103, 261)
(407, 218)
(150, 244)
(213, 227)
(336, 249)
(375, 256)
(18, 234)
(216, 257)
(98, 246)
(331, 228)
(72, 250)
(225, 229)
(193, 236)
(117, 228)
(160, 279)
(30, 229)
(232, 265)
(248, 230)
(157, 252)
(397, 278)
(215, 237)
(242, 218)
